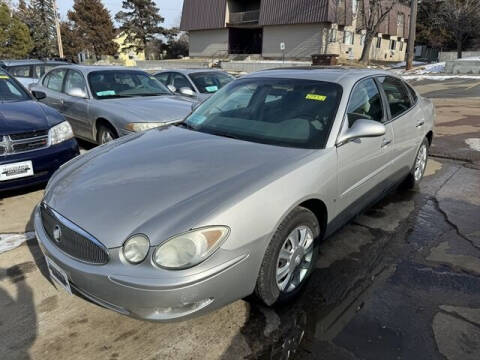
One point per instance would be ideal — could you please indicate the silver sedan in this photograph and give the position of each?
(103, 103)
(184, 219)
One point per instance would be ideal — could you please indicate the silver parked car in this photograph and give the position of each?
(184, 219)
(103, 103)
(28, 71)
(196, 83)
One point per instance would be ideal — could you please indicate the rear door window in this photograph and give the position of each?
(54, 80)
(20, 71)
(397, 95)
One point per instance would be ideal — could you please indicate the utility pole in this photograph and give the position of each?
(59, 33)
(411, 34)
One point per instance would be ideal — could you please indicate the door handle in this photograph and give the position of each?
(420, 123)
(386, 142)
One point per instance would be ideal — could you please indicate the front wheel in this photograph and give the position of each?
(290, 257)
(419, 166)
(105, 134)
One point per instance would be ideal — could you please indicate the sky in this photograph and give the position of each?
(171, 10)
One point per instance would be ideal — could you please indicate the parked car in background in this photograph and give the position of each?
(103, 103)
(29, 71)
(196, 83)
(234, 199)
(35, 140)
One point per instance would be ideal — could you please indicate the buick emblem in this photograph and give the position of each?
(57, 233)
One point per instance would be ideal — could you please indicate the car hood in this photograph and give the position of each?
(161, 182)
(24, 116)
(155, 108)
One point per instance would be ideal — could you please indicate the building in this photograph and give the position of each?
(295, 29)
(127, 57)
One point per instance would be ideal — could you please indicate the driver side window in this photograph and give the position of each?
(365, 103)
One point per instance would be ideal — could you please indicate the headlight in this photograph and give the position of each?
(137, 127)
(60, 133)
(135, 249)
(191, 248)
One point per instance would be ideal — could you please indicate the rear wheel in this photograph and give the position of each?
(290, 257)
(105, 134)
(419, 166)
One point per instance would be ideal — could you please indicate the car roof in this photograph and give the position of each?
(30, 62)
(191, 70)
(86, 69)
(341, 75)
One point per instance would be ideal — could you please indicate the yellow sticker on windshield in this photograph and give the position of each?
(4, 77)
(315, 97)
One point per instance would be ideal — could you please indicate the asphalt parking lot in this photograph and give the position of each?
(402, 281)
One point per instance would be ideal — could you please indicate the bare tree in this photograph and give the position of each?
(371, 14)
(460, 18)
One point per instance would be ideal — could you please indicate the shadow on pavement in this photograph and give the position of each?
(18, 319)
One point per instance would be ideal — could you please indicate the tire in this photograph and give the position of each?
(105, 134)
(272, 289)
(418, 168)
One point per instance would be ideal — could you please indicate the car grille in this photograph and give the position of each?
(20, 143)
(71, 239)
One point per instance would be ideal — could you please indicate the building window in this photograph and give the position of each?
(393, 45)
(332, 35)
(362, 40)
(348, 38)
(379, 42)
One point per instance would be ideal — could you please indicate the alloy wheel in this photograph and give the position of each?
(420, 162)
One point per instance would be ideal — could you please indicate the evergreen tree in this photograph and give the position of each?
(15, 41)
(40, 17)
(94, 27)
(72, 45)
(141, 22)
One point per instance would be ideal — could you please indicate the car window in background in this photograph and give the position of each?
(163, 78)
(397, 95)
(365, 102)
(54, 79)
(74, 80)
(412, 93)
(20, 71)
(38, 71)
(180, 81)
(10, 90)
(124, 83)
(300, 114)
(210, 82)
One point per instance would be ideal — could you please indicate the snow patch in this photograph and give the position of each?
(474, 143)
(12, 241)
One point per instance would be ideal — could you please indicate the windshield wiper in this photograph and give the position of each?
(226, 135)
(185, 125)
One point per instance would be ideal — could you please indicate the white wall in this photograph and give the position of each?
(301, 41)
(207, 43)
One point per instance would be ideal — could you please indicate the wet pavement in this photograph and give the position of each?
(402, 281)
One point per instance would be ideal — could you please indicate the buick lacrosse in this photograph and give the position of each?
(184, 219)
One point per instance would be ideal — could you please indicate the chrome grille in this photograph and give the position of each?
(24, 142)
(71, 239)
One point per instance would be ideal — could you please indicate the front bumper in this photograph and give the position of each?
(45, 162)
(126, 289)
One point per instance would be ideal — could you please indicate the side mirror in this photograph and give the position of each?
(186, 91)
(39, 95)
(172, 88)
(77, 92)
(362, 128)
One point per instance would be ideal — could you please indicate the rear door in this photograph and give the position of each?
(363, 164)
(406, 118)
(52, 85)
(75, 108)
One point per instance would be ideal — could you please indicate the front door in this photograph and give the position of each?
(363, 164)
(76, 108)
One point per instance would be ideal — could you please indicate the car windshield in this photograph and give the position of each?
(10, 90)
(124, 83)
(210, 82)
(284, 112)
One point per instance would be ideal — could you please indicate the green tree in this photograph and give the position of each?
(40, 17)
(178, 46)
(141, 22)
(72, 45)
(15, 41)
(94, 27)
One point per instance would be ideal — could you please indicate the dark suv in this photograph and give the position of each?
(34, 138)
